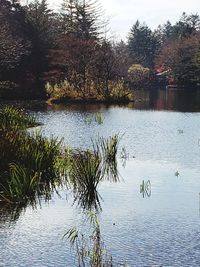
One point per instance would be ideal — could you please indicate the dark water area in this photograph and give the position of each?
(161, 134)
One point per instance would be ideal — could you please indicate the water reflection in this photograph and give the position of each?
(145, 188)
(150, 136)
(10, 213)
(178, 100)
(91, 167)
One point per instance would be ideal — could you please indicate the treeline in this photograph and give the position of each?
(172, 51)
(68, 54)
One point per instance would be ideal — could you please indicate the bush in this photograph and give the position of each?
(61, 90)
(120, 92)
(138, 75)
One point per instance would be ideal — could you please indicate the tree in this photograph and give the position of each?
(42, 30)
(14, 44)
(122, 58)
(81, 18)
(104, 67)
(138, 75)
(68, 17)
(182, 58)
(143, 44)
(186, 26)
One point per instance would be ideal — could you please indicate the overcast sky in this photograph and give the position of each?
(123, 13)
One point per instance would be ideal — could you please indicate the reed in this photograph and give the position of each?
(90, 250)
(108, 149)
(89, 168)
(12, 117)
(21, 185)
(28, 161)
(33, 165)
(85, 175)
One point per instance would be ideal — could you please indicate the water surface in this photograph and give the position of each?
(161, 134)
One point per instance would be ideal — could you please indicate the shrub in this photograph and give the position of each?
(120, 92)
(138, 75)
(61, 90)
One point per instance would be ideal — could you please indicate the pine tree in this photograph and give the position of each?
(143, 44)
(42, 32)
(81, 18)
(69, 17)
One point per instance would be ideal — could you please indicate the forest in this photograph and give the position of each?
(69, 54)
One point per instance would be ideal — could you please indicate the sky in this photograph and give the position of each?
(123, 13)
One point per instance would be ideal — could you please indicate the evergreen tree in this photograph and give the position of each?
(68, 19)
(81, 18)
(143, 44)
(42, 30)
(14, 44)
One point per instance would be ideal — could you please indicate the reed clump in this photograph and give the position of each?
(89, 168)
(28, 162)
(11, 117)
(33, 165)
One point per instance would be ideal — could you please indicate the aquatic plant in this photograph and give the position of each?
(88, 168)
(85, 175)
(145, 188)
(108, 148)
(177, 174)
(28, 161)
(11, 117)
(124, 156)
(90, 250)
(99, 118)
(22, 184)
(34, 165)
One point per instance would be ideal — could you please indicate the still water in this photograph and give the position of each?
(161, 134)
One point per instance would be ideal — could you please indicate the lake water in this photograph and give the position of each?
(161, 134)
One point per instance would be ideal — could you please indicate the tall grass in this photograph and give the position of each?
(107, 148)
(85, 175)
(32, 165)
(89, 168)
(28, 162)
(21, 185)
(11, 117)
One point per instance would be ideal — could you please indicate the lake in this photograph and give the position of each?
(161, 227)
